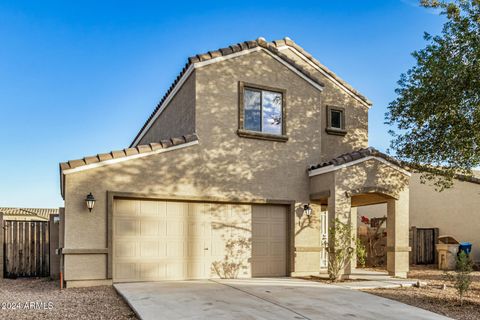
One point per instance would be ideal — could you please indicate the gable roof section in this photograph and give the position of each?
(288, 43)
(274, 48)
(365, 154)
(354, 157)
(113, 157)
(43, 213)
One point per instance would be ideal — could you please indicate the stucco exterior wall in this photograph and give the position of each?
(223, 165)
(370, 176)
(370, 181)
(178, 118)
(356, 114)
(455, 211)
(54, 245)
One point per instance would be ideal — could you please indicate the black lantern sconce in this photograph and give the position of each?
(90, 201)
(307, 210)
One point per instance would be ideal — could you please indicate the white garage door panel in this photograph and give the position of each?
(165, 240)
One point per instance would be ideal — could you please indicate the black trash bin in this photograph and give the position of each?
(465, 247)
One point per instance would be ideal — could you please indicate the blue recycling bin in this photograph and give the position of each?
(465, 247)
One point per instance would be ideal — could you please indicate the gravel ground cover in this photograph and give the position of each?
(433, 297)
(40, 298)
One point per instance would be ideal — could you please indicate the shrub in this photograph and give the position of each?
(340, 250)
(462, 277)
(361, 253)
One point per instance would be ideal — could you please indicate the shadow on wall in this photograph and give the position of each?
(236, 258)
(234, 230)
(373, 177)
(229, 166)
(306, 222)
(224, 165)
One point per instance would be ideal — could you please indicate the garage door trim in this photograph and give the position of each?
(112, 195)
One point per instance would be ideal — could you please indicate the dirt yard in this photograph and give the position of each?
(39, 298)
(434, 298)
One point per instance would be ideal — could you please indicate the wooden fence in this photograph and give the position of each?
(423, 241)
(26, 249)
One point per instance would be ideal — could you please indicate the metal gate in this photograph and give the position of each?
(424, 240)
(26, 249)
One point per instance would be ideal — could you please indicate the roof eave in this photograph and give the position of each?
(113, 157)
(331, 168)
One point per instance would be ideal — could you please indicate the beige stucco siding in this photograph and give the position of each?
(370, 176)
(223, 165)
(178, 118)
(277, 167)
(356, 114)
(455, 211)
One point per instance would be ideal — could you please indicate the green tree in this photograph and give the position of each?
(437, 110)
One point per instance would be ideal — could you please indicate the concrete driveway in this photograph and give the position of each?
(279, 298)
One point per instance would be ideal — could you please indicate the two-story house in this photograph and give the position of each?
(241, 168)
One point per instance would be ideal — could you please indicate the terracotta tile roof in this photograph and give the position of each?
(355, 155)
(140, 149)
(246, 45)
(370, 151)
(291, 43)
(34, 212)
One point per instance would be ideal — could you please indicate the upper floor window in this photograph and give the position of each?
(336, 120)
(262, 112)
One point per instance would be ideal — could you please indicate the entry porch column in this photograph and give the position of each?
(397, 235)
(340, 207)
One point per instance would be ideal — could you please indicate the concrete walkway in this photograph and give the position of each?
(279, 298)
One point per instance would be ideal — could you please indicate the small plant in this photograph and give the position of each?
(462, 277)
(340, 250)
(361, 253)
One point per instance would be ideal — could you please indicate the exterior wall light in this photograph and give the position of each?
(90, 201)
(307, 210)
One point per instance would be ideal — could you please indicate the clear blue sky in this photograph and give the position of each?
(81, 77)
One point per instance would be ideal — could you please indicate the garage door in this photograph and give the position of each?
(269, 245)
(166, 240)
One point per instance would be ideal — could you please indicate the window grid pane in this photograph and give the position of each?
(271, 112)
(252, 110)
(336, 119)
(263, 111)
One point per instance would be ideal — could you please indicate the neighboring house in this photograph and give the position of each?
(220, 179)
(27, 214)
(455, 211)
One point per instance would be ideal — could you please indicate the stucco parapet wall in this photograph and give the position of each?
(275, 48)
